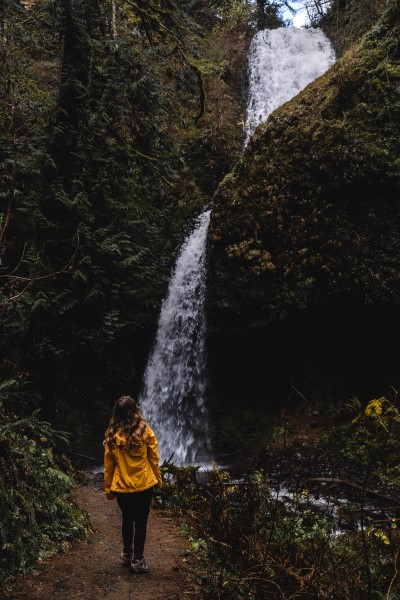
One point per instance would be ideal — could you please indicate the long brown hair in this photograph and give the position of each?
(128, 420)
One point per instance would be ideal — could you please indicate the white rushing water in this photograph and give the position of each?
(281, 63)
(172, 399)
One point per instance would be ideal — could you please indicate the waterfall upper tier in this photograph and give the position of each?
(281, 63)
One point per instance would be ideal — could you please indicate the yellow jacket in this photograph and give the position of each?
(132, 470)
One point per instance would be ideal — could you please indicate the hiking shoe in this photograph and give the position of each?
(139, 566)
(126, 558)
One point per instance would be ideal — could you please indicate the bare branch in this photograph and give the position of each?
(34, 277)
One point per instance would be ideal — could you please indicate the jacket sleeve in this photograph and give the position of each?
(109, 464)
(153, 456)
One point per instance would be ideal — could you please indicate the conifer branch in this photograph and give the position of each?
(142, 155)
(156, 9)
(7, 217)
(178, 48)
(19, 262)
(200, 82)
(4, 224)
(395, 574)
(169, 183)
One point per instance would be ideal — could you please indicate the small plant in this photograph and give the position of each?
(368, 437)
(37, 511)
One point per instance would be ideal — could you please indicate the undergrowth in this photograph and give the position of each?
(38, 514)
(254, 540)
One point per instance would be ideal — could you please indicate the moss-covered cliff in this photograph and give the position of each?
(309, 219)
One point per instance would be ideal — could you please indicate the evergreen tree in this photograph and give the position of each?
(102, 191)
(267, 14)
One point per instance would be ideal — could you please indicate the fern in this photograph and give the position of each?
(36, 507)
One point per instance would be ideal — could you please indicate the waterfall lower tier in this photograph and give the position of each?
(174, 382)
(281, 63)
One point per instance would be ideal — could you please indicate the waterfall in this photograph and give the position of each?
(281, 63)
(172, 399)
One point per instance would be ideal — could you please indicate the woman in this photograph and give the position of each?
(131, 472)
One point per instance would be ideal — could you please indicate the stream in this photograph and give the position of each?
(297, 480)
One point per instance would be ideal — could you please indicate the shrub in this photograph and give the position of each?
(37, 511)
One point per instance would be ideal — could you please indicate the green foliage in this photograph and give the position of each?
(180, 486)
(252, 544)
(268, 14)
(248, 16)
(369, 438)
(96, 182)
(346, 21)
(38, 513)
(95, 187)
(236, 15)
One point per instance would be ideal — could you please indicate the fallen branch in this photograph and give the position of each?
(33, 277)
(357, 486)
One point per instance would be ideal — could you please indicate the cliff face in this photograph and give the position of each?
(310, 217)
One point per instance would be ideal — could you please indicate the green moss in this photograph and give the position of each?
(322, 174)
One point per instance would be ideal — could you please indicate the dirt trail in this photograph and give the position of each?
(92, 569)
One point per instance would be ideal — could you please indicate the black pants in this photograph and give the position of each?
(135, 508)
